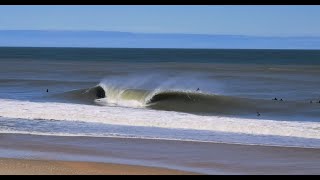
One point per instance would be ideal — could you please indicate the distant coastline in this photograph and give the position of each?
(114, 39)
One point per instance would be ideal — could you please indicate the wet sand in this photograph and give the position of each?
(45, 167)
(98, 155)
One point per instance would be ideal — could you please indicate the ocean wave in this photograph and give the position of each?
(161, 99)
(186, 100)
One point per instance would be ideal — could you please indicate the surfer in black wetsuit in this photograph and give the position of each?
(47, 90)
(198, 89)
(275, 99)
(258, 114)
(281, 100)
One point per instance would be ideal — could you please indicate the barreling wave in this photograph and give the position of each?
(162, 99)
(183, 100)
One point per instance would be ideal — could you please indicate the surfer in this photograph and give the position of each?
(281, 100)
(258, 114)
(310, 102)
(275, 99)
(198, 89)
(47, 90)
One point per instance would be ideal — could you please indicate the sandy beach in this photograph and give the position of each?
(33, 154)
(45, 167)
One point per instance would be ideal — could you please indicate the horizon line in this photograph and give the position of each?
(83, 47)
(165, 33)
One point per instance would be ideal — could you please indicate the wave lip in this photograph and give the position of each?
(109, 95)
(161, 99)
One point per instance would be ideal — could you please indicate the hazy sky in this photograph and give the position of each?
(236, 20)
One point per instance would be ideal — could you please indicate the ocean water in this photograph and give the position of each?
(177, 94)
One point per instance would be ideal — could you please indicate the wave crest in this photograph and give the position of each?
(184, 100)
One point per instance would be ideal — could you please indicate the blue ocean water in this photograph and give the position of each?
(215, 95)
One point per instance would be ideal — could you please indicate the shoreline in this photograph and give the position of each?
(163, 139)
(149, 156)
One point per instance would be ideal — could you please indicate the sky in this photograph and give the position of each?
(207, 19)
(154, 26)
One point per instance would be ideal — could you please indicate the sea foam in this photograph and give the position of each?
(155, 118)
